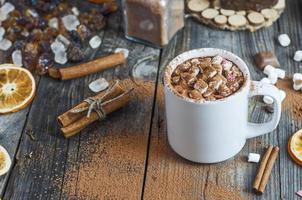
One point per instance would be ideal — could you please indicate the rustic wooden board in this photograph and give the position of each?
(123, 136)
(290, 173)
(171, 177)
(129, 151)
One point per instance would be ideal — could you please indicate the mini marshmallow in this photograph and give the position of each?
(297, 87)
(284, 40)
(217, 59)
(268, 100)
(253, 157)
(298, 56)
(227, 65)
(273, 77)
(282, 94)
(265, 80)
(297, 76)
(280, 73)
(268, 69)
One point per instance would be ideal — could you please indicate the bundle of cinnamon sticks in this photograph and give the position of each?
(265, 169)
(85, 113)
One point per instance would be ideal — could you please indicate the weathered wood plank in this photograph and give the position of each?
(171, 177)
(290, 173)
(123, 136)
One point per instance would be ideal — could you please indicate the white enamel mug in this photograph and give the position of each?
(214, 131)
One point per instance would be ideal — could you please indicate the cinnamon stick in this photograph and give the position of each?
(265, 169)
(69, 117)
(83, 122)
(261, 168)
(91, 67)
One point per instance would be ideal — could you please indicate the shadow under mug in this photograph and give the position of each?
(214, 131)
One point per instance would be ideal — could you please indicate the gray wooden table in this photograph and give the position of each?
(137, 162)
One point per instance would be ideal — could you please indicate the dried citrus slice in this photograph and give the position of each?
(5, 161)
(17, 88)
(295, 147)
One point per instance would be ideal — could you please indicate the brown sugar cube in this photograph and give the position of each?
(195, 94)
(210, 72)
(266, 58)
(201, 86)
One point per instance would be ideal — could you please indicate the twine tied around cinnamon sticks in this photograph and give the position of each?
(96, 105)
(93, 109)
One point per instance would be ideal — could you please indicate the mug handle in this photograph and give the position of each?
(258, 88)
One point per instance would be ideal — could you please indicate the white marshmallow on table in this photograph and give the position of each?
(297, 76)
(298, 56)
(265, 80)
(268, 69)
(284, 40)
(253, 157)
(282, 94)
(268, 100)
(273, 77)
(280, 73)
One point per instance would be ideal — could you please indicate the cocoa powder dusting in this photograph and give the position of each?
(293, 100)
(215, 192)
(112, 153)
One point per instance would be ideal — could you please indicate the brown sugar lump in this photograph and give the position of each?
(206, 79)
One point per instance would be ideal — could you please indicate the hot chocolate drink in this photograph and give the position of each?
(207, 78)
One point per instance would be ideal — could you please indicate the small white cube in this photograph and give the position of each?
(253, 157)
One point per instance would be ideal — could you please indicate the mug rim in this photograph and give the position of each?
(208, 52)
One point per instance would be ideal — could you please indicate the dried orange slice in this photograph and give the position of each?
(17, 88)
(295, 147)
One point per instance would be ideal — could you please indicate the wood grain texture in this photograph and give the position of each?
(41, 170)
(171, 177)
(54, 168)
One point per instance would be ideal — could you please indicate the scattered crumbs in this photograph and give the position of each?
(31, 134)
(30, 155)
